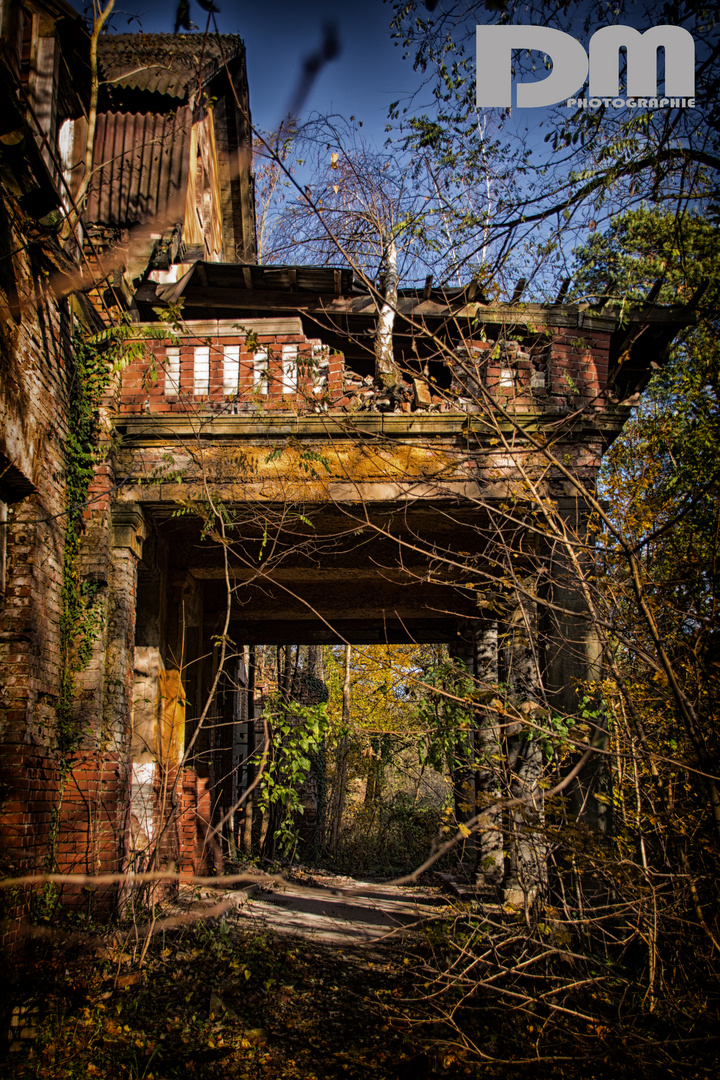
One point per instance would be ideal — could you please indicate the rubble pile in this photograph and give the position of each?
(366, 395)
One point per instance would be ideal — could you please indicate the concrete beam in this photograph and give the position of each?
(146, 430)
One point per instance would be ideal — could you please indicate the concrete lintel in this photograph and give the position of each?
(231, 327)
(146, 430)
(310, 492)
(129, 528)
(157, 497)
(384, 492)
(540, 316)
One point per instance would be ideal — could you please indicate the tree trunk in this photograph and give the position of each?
(341, 758)
(490, 866)
(387, 372)
(250, 762)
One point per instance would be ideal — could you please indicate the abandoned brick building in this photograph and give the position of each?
(250, 409)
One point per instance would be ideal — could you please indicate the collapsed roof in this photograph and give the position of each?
(335, 303)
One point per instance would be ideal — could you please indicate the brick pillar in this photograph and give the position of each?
(334, 374)
(194, 824)
(93, 824)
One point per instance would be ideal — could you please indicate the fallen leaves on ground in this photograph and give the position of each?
(219, 1000)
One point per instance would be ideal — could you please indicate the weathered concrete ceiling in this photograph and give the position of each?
(391, 574)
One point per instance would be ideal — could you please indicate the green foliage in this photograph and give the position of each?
(382, 773)
(125, 342)
(389, 838)
(660, 584)
(382, 680)
(447, 714)
(668, 453)
(298, 732)
(660, 477)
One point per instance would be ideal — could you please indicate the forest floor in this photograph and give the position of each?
(321, 978)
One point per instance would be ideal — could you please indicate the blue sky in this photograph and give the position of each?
(368, 74)
(370, 71)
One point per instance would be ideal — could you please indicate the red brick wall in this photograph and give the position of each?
(145, 387)
(92, 823)
(195, 844)
(36, 370)
(87, 814)
(574, 366)
(91, 832)
(36, 376)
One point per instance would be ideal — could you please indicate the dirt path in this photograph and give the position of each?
(342, 911)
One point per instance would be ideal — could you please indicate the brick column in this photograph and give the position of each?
(94, 819)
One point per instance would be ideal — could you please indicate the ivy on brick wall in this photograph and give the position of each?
(96, 358)
(82, 614)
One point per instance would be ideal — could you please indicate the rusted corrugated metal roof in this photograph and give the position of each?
(143, 161)
(166, 64)
(142, 140)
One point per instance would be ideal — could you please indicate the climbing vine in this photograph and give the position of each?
(96, 358)
(82, 615)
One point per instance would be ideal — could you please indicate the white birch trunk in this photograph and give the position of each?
(386, 370)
